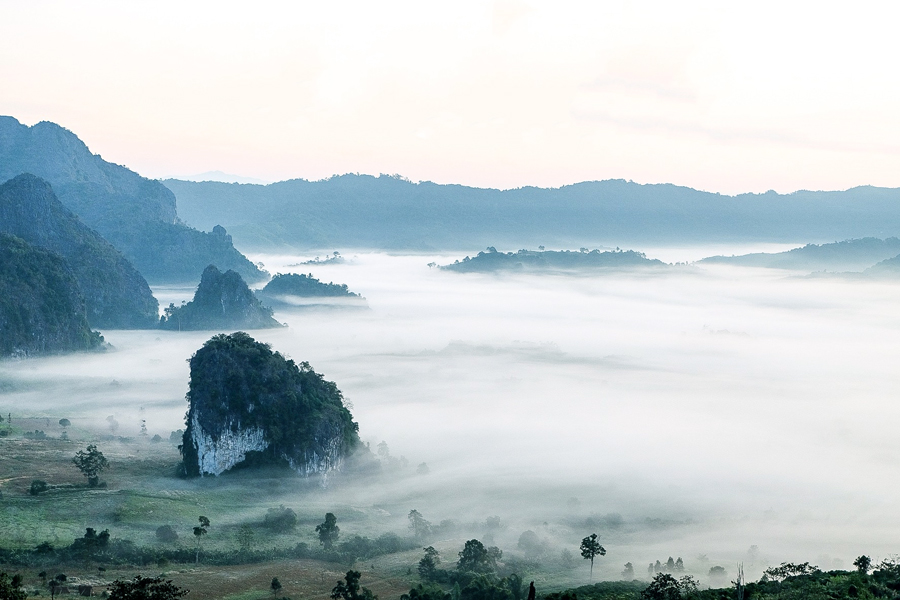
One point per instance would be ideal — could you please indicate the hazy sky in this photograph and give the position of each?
(720, 96)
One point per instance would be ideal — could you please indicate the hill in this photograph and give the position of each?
(533, 260)
(135, 214)
(362, 211)
(295, 289)
(116, 296)
(222, 301)
(41, 307)
(849, 255)
(247, 401)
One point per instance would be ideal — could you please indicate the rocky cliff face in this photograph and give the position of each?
(222, 301)
(41, 306)
(115, 294)
(246, 399)
(137, 215)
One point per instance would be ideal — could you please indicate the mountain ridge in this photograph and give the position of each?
(136, 215)
(387, 212)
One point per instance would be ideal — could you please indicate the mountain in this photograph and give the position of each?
(888, 268)
(41, 306)
(849, 255)
(222, 301)
(361, 211)
(135, 214)
(491, 260)
(116, 296)
(250, 404)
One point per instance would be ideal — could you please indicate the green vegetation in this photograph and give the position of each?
(237, 380)
(349, 589)
(116, 296)
(11, 587)
(328, 531)
(135, 214)
(304, 286)
(91, 463)
(222, 301)
(281, 519)
(543, 260)
(590, 549)
(41, 306)
(145, 588)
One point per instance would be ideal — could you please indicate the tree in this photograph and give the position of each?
(166, 533)
(663, 587)
(328, 531)
(351, 590)
(591, 548)
(428, 564)
(475, 558)
(11, 587)
(784, 570)
(530, 543)
(245, 538)
(863, 564)
(199, 532)
(421, 528)
(628, 573)
(430, 591)
(281, 519)
(275, 587)
(145, 588)
(91, 463)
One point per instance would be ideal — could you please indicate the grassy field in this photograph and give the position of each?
(142, 492)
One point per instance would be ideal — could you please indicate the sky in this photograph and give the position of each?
(727, 97)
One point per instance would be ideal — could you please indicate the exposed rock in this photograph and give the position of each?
(245, 399)
(137, 215)
(222, 301)
(41, 306)
(116, 296)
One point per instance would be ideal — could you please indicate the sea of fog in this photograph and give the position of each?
(699, 412)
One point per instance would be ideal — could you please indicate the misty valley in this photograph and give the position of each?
(700, 419)
(707, 411)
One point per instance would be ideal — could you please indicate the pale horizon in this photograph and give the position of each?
(499, 94)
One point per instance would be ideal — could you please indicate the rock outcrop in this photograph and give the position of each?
(116, 296)
(41, 306)
(250, 404)
(222, 301)
(135, 214)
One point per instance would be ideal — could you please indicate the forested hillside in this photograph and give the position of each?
(137, 215)
(115, 294)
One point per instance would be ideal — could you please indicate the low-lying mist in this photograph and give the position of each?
(699, 412)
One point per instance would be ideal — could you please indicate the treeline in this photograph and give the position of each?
(102, 548)
(785, 582)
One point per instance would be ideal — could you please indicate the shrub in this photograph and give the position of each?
(38, 487)
(280, 519)
(166, 533)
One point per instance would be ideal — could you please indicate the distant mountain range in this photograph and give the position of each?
(849, 255)
(361, 211)
(135, 214)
